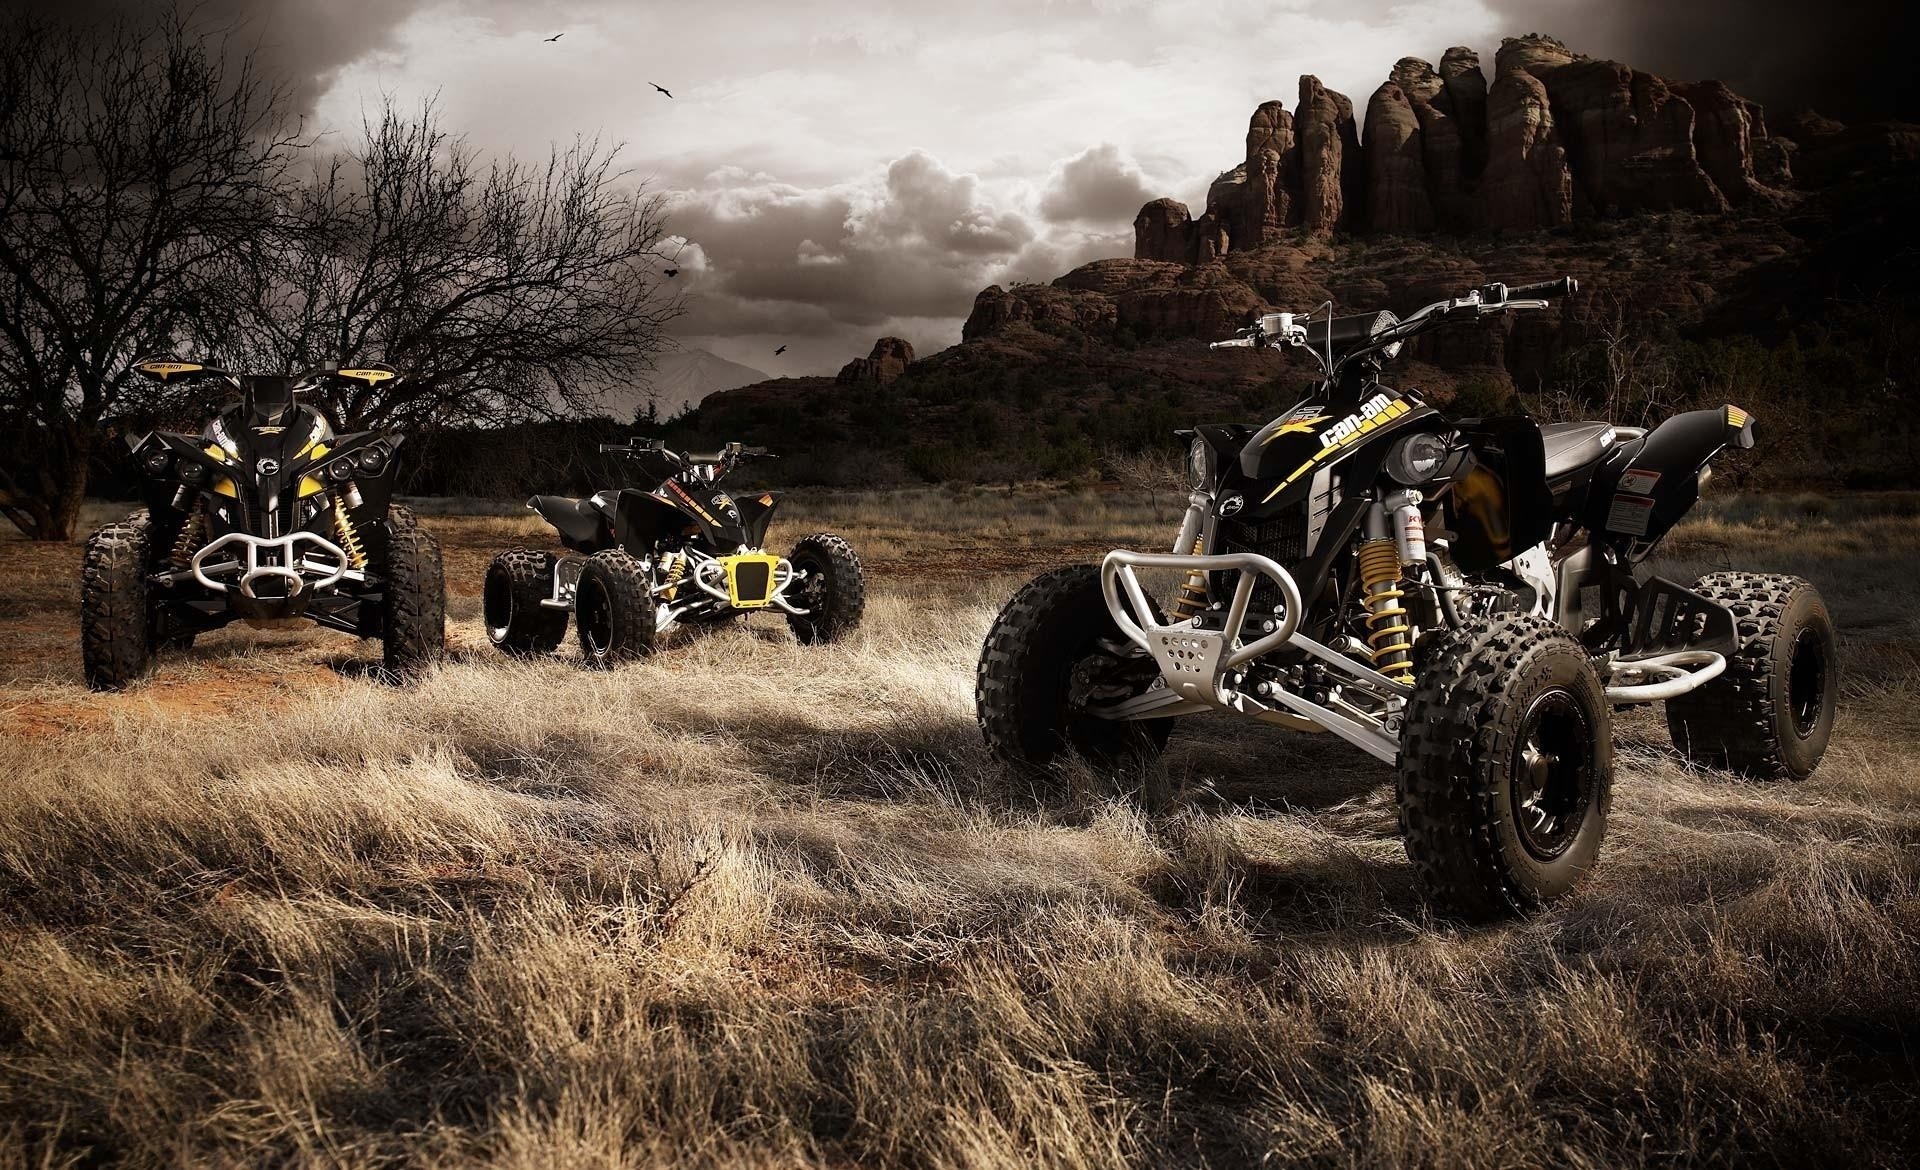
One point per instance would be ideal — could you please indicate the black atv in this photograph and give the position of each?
(266, 515)
(1461, 598)
(684, 553)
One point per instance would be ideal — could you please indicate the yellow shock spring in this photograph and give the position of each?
(674, 571)
(1193, 591)
(349, 538)
(1387, 628)
(188, 540)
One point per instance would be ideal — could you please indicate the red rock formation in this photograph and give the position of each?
(1396, 170)
(1330, 160)
(1725, 128)
(889, 360)
(1465, 102)
(1164, 231)
(1628, 135)
(1527, 184)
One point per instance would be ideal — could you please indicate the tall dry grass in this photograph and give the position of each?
(752, 903)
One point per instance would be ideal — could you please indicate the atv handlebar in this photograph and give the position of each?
(1274, 330)
(725, 455)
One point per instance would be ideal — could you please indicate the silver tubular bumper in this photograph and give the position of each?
(304, 560)
(710, 576)
(1197, 665)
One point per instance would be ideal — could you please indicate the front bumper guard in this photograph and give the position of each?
(304, 561)
(1198, 667)
(711, 577)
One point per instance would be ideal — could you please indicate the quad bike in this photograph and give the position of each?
(1461, 598)
(685, 553)
(265, 516)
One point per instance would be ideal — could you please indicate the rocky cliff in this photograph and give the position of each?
(1556, 137)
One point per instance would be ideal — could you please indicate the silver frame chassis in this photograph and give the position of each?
(1197, 667)
(295, 566)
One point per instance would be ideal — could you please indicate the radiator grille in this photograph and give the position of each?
(1281, 538)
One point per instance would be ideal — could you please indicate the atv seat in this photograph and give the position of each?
(577, 521)
(1573, 446)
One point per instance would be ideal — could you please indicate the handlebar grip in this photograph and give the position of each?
(1566, 286)
(754, 451)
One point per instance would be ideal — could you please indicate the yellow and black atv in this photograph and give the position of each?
(264, 516)
(684, 553)
(1464, 599)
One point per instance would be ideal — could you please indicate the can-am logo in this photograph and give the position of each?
(1232, 504)
(268, 467)
(1347, 427)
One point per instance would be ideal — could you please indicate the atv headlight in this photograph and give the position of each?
(1200, 463)
(340, 470)
(1417, 458)
(372, 460)
(193, 474)
(158, 462)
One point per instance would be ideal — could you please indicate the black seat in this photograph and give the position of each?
(577, 521)
(1573, 446)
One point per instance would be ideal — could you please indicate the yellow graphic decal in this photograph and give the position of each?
(168, 369)
(1361, 429)
(1297, 426)
(1736, 418)
(310, 486)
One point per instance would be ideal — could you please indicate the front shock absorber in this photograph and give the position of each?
(1193, 591)
(1388, 633)
(675, 569)
(349, 536)
(189, 538)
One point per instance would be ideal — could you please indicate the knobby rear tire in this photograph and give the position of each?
(613, 610)
(518, 580)
(1754, 718)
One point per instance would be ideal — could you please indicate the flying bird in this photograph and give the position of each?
(555, 37)
(673, 272)
(781, 350)
(661, 88)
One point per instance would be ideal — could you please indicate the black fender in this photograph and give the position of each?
(756, 512)
(1647, 485)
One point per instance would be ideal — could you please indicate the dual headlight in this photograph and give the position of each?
(367, 461)
(1416, 459)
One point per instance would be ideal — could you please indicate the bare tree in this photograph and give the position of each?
(1155, 472)
(506, 290)
(131, 160)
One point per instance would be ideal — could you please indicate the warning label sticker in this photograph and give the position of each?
(1636, 482)
(1630, 514)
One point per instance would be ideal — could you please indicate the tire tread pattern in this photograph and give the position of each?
(1731, 722)
(533, 629)
(116, 633)
(846, 597)
(630, 597)
(416, 596)
(1456, 736)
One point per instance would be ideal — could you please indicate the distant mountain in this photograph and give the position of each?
(681, 377)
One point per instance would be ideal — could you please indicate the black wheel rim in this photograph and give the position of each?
(496, 603)
(1552, 786)
(1807, 681)
(596, 618)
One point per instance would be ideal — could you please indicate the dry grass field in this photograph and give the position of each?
(756, 904)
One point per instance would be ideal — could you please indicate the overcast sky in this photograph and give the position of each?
(844, 171)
